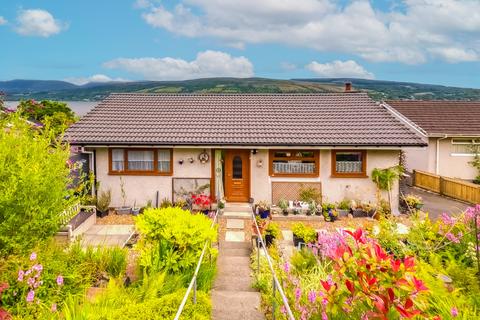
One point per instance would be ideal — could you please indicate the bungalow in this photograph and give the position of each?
(453, 132)
(241, 147)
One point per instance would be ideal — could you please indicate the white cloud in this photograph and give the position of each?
(414, 32)
(339, 69)
(38, 22)
(206, 64)
(3, 21)
(94, 78)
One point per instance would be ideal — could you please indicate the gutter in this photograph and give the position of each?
(405, 120)
(437, 161)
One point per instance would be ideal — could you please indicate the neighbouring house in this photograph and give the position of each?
(453, 132)
(241, 147)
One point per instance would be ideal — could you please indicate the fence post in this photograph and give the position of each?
(414, 174)
(442, 186)
(273, 295)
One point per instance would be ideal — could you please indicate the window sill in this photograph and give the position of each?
(139, 173)
(286, 175)
(350, 175)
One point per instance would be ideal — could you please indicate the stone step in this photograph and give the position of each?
(237, 214)
(234, 283)
(235, 236)
(235, 252)
(235, 224)
(235, 261)
(234, 245)
(231, 206)
(228, 270)
(236, 305)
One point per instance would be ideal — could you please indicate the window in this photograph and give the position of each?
(237, 167)
(141, 161)
(294, 163)
(349, 163)
(465, 146)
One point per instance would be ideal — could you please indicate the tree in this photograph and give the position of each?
(384, 179)
(33, 184)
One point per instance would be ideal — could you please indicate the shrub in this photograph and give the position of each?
(309, 194)
(308, 234)
(172, 239)
(33, 183)
(273, 229)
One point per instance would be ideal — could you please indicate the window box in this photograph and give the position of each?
(140, 162)
(294, 163)
(349, 163)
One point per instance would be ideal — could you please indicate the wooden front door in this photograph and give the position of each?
(237, 175)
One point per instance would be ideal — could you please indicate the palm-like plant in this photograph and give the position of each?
(384, 179)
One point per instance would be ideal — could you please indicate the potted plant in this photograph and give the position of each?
(283, 205)
(135, 209)
(123, 209)
(413, 202)
(261, 226)
(103, 202)
(221, 205)
(262, 208)
(303, 234)
(329, 213)
(203, 202)
(312, 208)
(343, 208)
(181, 203)
(272, 232)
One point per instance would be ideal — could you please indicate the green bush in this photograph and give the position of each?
(308, 234)
(33, 183)
(172, 239)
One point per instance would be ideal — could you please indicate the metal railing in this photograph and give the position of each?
(193, 282)
(275, 283)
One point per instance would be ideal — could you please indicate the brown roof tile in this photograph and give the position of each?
(343, 119)
(442, 117)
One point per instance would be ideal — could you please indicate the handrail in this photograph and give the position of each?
(275, 279)
(193, 282)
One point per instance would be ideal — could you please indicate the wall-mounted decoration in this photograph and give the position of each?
(183, 188)
(180, 162)
(259, 163)
(203, 157)
(191, 160)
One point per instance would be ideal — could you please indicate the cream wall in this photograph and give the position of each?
(449, 165)
(144, 188)
(333, 189)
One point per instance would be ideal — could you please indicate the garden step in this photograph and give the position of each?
(234, 283)
(234, 245)
(235, 224)
(237, 214)
(236, 252)
(235, 236)
(236, 305)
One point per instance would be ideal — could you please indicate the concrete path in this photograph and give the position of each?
(107, 235)
(233, 297)
(435, 204)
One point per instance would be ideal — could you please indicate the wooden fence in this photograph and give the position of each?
(454, 188)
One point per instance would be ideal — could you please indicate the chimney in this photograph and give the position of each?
(348, 86)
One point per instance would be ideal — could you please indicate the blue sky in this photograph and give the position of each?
(428, 41)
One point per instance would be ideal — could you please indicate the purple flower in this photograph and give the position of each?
(450, 236)
(33, 256)
(312, 296)
(298, 293)
(324, 316)
(286, 267)
(454, 312)
(38, 267)
(60, 280)
(21, 273)
(30, 296)
(31, 281)
(447, 220)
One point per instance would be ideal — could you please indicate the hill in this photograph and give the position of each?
(378, 89)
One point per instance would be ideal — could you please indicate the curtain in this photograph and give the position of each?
(140, 160)
(219, 191)
(164, 160)
(117, 160)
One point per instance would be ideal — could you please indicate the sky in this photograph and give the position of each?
(425, 41)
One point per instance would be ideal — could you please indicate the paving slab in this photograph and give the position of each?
(235, 224)
(241, 214)
(235, 236)
(287, 235)
(107, 235)
(236, 305)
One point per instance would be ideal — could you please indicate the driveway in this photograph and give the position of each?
(435, 204)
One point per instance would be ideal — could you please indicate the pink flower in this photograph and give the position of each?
(31, 281)
(33, 256)
(30, 296)
(286, 267)
(312, 296)
(38, 267)
(283, 310)
(54, 307)
(324, 316)
(450, 236)
(60, 280)
(447, 220)
(21, 273)
(454, 312)
(298, 293)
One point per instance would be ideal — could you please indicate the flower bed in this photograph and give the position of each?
(426, 271)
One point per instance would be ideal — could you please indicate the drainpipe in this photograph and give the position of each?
(437, 162)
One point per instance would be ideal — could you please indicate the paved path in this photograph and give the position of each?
(107, 235)
(233, 297)
(436, 204)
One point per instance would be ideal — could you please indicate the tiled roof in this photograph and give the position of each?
(442, 117)
(342, 119)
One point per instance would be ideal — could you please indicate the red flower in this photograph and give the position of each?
(350, 286)
(326, 285)
(409, 263)
(396, 263)
(419, 285)
(358, 235)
